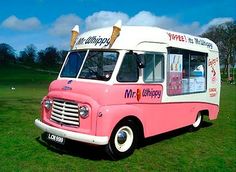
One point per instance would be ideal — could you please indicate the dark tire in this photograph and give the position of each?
(123, 140)
(197, 124)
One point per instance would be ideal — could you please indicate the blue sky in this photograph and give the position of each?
(48, 22)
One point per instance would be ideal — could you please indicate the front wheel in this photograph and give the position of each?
(123, 140)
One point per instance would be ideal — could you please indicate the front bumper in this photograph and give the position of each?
(96, 140)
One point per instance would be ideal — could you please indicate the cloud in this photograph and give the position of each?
(58, 33)
(104, 18)
(215, 22)
(146, 18)
(221, 20)
(143, 18)
(15, 23)
(63, 25)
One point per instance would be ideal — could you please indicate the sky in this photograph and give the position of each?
(49, 22)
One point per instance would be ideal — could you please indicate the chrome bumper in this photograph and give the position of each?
(96, 140)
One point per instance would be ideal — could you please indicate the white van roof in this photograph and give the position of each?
(141, 37)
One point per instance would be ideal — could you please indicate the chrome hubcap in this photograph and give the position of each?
(122, 137)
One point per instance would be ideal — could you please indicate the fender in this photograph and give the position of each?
(109, 116)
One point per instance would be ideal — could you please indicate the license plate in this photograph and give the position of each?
(56, 138)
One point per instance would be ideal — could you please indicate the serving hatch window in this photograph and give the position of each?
(186, 71)
(97, 65)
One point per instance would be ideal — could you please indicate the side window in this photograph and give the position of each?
(197, 79)
(129, 71)
(153, 70)
(186, 72)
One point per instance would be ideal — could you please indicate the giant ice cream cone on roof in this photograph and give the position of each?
(115, 32)
(74, 34)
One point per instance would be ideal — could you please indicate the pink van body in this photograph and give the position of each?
(109, 106)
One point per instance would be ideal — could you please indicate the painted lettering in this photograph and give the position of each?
(203, 42)
(151, 93)
(81, 41)
(190, 40)
(212, 92)
(177, 37)
(212, 62)
(187, 39)
(129, 93)
(139, 93)
(66, 88)
(96, 40)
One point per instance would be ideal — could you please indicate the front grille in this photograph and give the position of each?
(65, 113)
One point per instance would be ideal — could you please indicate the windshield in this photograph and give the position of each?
(73, 64)
(97, 65)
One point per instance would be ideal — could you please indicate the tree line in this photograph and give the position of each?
(223, 35)
(50, 57)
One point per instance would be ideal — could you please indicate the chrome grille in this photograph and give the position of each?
(65, 113)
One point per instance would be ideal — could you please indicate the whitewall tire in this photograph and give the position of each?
(123, 140)
(197, 124)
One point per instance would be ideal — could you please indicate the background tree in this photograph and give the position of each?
(7, 54)
(28, 55)
(224, 36)
(48, 57)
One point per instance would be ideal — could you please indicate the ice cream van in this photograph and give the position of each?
(121, 84)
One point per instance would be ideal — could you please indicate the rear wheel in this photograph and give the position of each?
(123, 140)
(197, 124)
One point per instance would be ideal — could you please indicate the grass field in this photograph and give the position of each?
(212, 148)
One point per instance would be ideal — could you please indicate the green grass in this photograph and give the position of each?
(212, 148)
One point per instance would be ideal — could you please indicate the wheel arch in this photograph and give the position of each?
(137, 122)
(198, 120)
(113, 115)
(204, 112)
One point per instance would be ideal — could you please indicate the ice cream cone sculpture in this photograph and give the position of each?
(74, 34)
(115, 32)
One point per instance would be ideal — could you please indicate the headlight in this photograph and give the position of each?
(83, 111)
(48, 104)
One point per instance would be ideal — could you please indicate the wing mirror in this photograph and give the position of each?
(139, 59)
